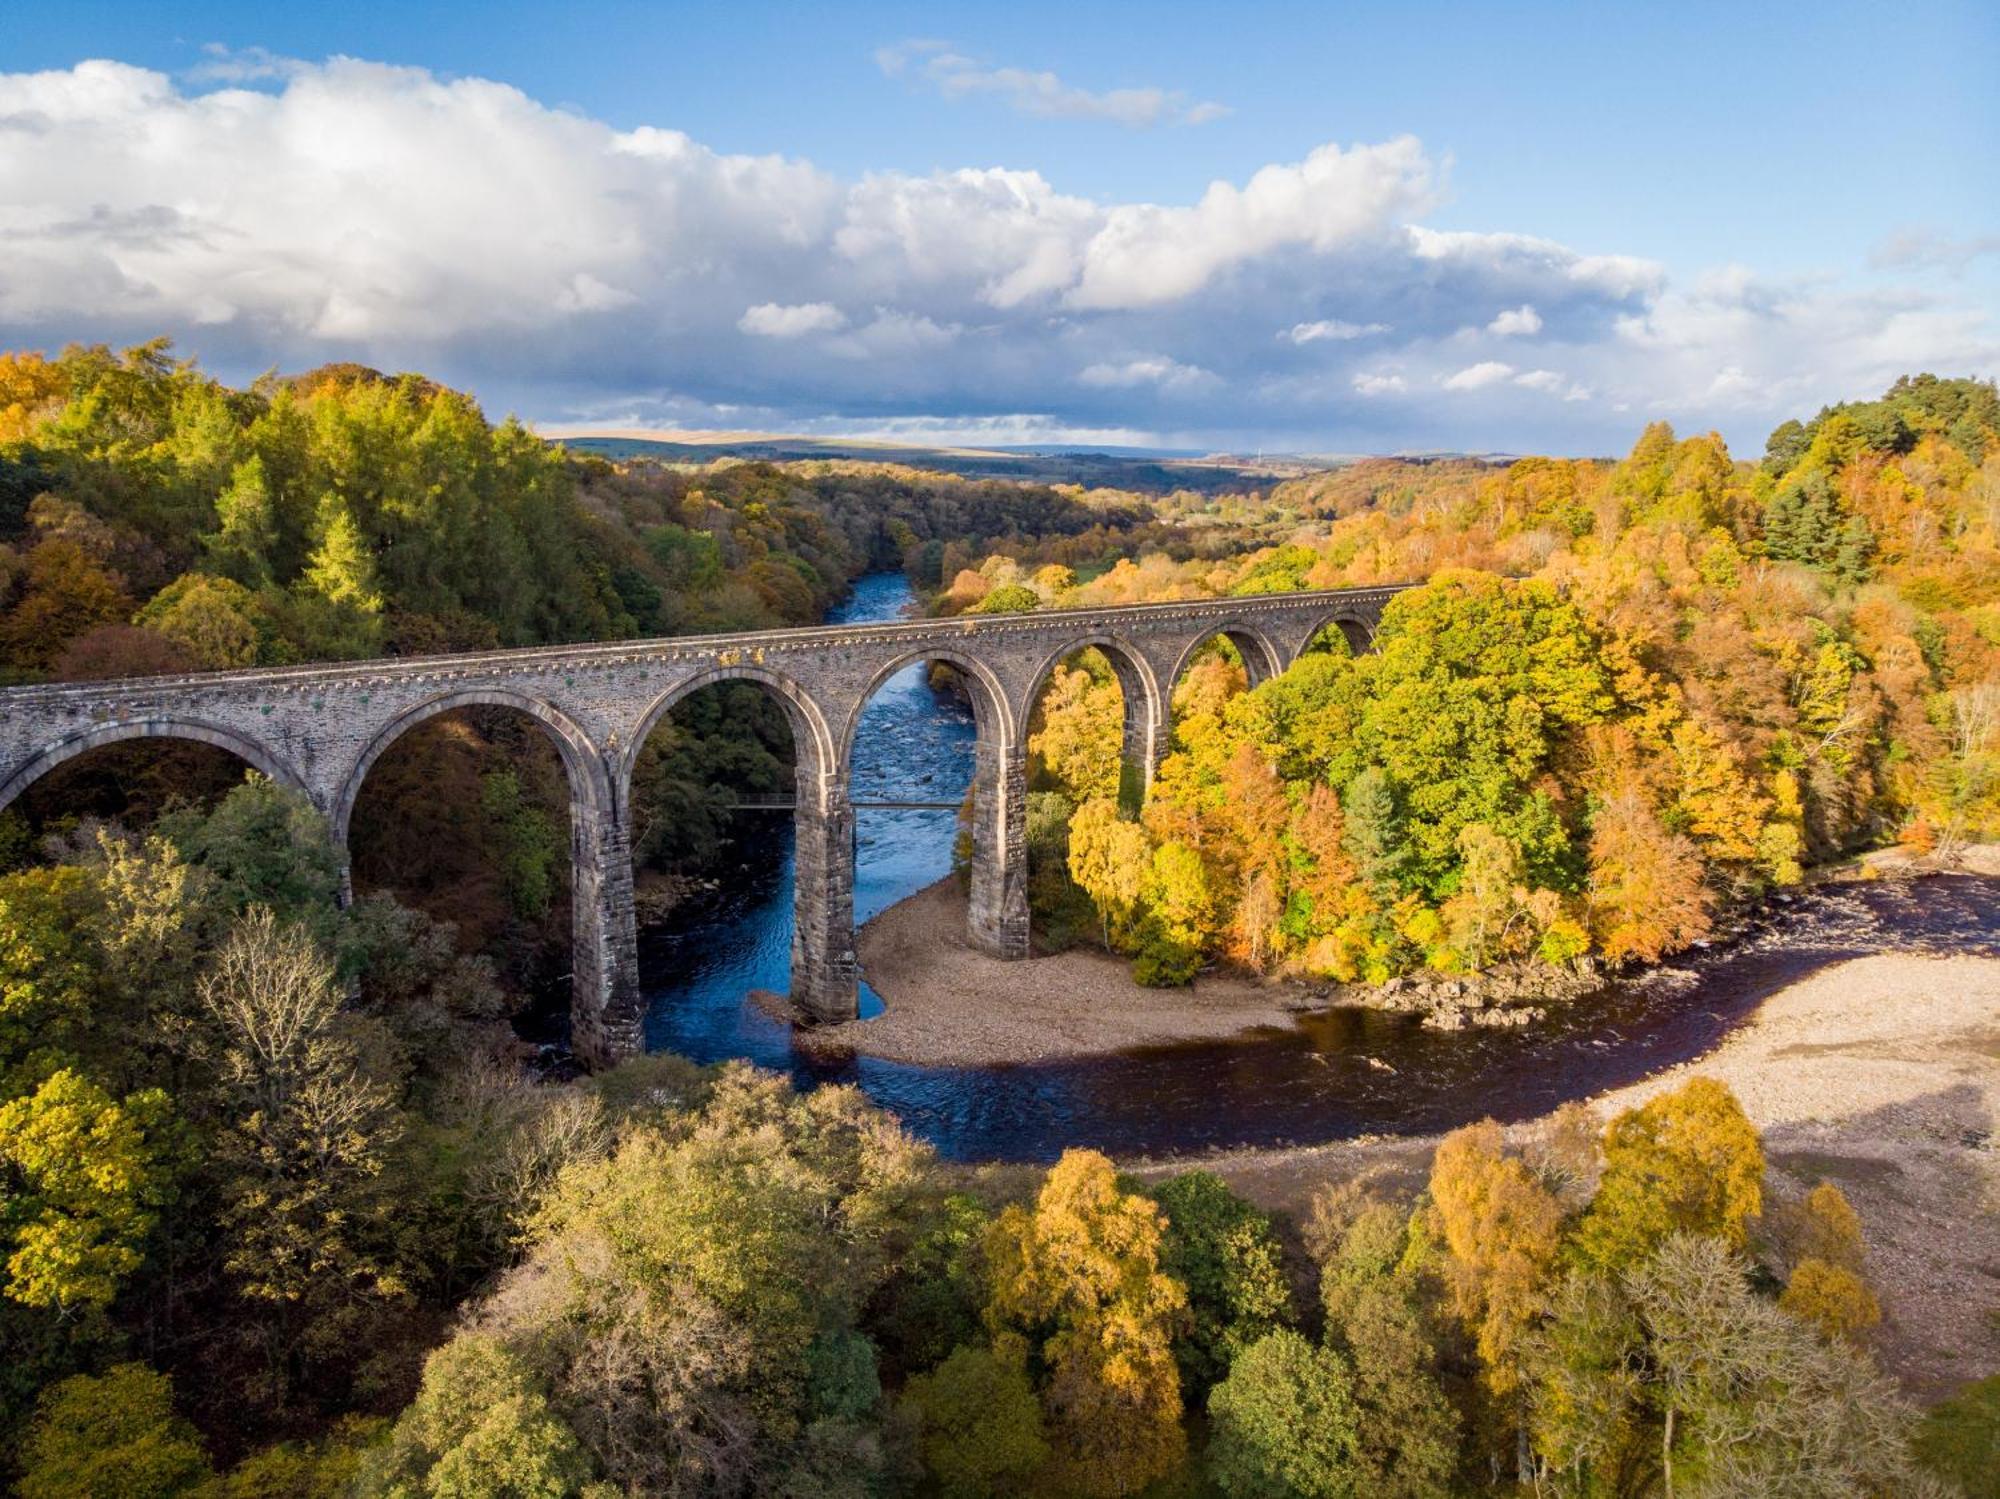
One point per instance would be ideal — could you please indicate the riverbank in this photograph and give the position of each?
(1880, 1074)
(949, 1005)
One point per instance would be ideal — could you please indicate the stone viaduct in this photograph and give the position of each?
(320, 728)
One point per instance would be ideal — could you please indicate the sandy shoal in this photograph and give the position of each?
(950, 1005)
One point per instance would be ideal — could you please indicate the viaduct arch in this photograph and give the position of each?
(320, 729)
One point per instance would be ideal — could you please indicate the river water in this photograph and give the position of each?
(1333, 1075)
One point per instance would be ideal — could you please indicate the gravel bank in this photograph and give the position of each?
(949, 1005)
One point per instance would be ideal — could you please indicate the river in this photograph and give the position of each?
(1333, 1075)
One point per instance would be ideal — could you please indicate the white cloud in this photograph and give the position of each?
(1145, 254)
(1038, 92)
(775, 320)
(894, 332)
(222, 64)
(1478, 376)
(1168, 374)
(548, 261)
(1330, 328)
(1522, 321)
(1927, 249)
(1554, 383)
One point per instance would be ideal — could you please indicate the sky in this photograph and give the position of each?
(1327, 228)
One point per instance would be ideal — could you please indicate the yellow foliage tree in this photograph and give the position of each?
(1078, 1274)
(1687, 1161)
(29, 387)
(1501, 1230)
(1831, 1298)
(1111, 860)
(1081, 738)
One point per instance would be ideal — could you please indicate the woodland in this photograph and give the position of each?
(282, 1212)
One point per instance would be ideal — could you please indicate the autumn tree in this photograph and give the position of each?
(1688, 1161)
(689, 1300)
(114, 1436)
(308, 1133)
(1080, 739)
(1501, 1232)
(64, 595)
(1110, 858)
(1646, 895)
(1827, 1285)
(1077, 1283)
(79, 1182)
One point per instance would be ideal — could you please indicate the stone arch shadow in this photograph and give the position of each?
(589, 786)
(198, 731)
(1262, 660)
(812, 743)
(1358, 630)
(605, 1004)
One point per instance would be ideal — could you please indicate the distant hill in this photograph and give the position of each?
(1141, 470)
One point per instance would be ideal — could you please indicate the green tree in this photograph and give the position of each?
(691, 1298)
(1372, 832)
(481, 1427)
(338, 594)
(263, 845)
(217, 621)
(1222, 1250)
(1474, 684)
(246, 533)
(111, 1437)
(533, 850)
(1284, 1424)
(981, 1425)
(1586, 1386)
(1009, 598)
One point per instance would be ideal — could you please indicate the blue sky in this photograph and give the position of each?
(1540, 225)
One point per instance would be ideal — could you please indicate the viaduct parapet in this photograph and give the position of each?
(320, 728)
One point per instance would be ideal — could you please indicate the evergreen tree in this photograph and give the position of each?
(246, 532)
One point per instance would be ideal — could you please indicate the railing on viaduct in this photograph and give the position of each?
(320, 728)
